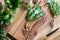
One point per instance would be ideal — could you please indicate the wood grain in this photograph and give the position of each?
(18, 34)
(56, 34)
(17, 23)
(17, 15)
(40, 24)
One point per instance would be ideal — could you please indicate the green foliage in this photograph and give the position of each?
(34, 12)
(5, 17)
(54, 7)
(2, 34)
(12, 4)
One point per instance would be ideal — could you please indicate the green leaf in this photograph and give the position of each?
(34, 13)
(2, 34)
(5, 17)
(12, 4)
(54, 7)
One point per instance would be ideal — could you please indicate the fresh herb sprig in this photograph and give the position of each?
(5, 17)
(2, 34)
(54, 7)
(34, 12)
(12, 4)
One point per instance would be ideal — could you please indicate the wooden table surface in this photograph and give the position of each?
(15, 28)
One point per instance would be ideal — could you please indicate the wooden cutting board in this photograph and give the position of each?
(15, 28)
(36, 25)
